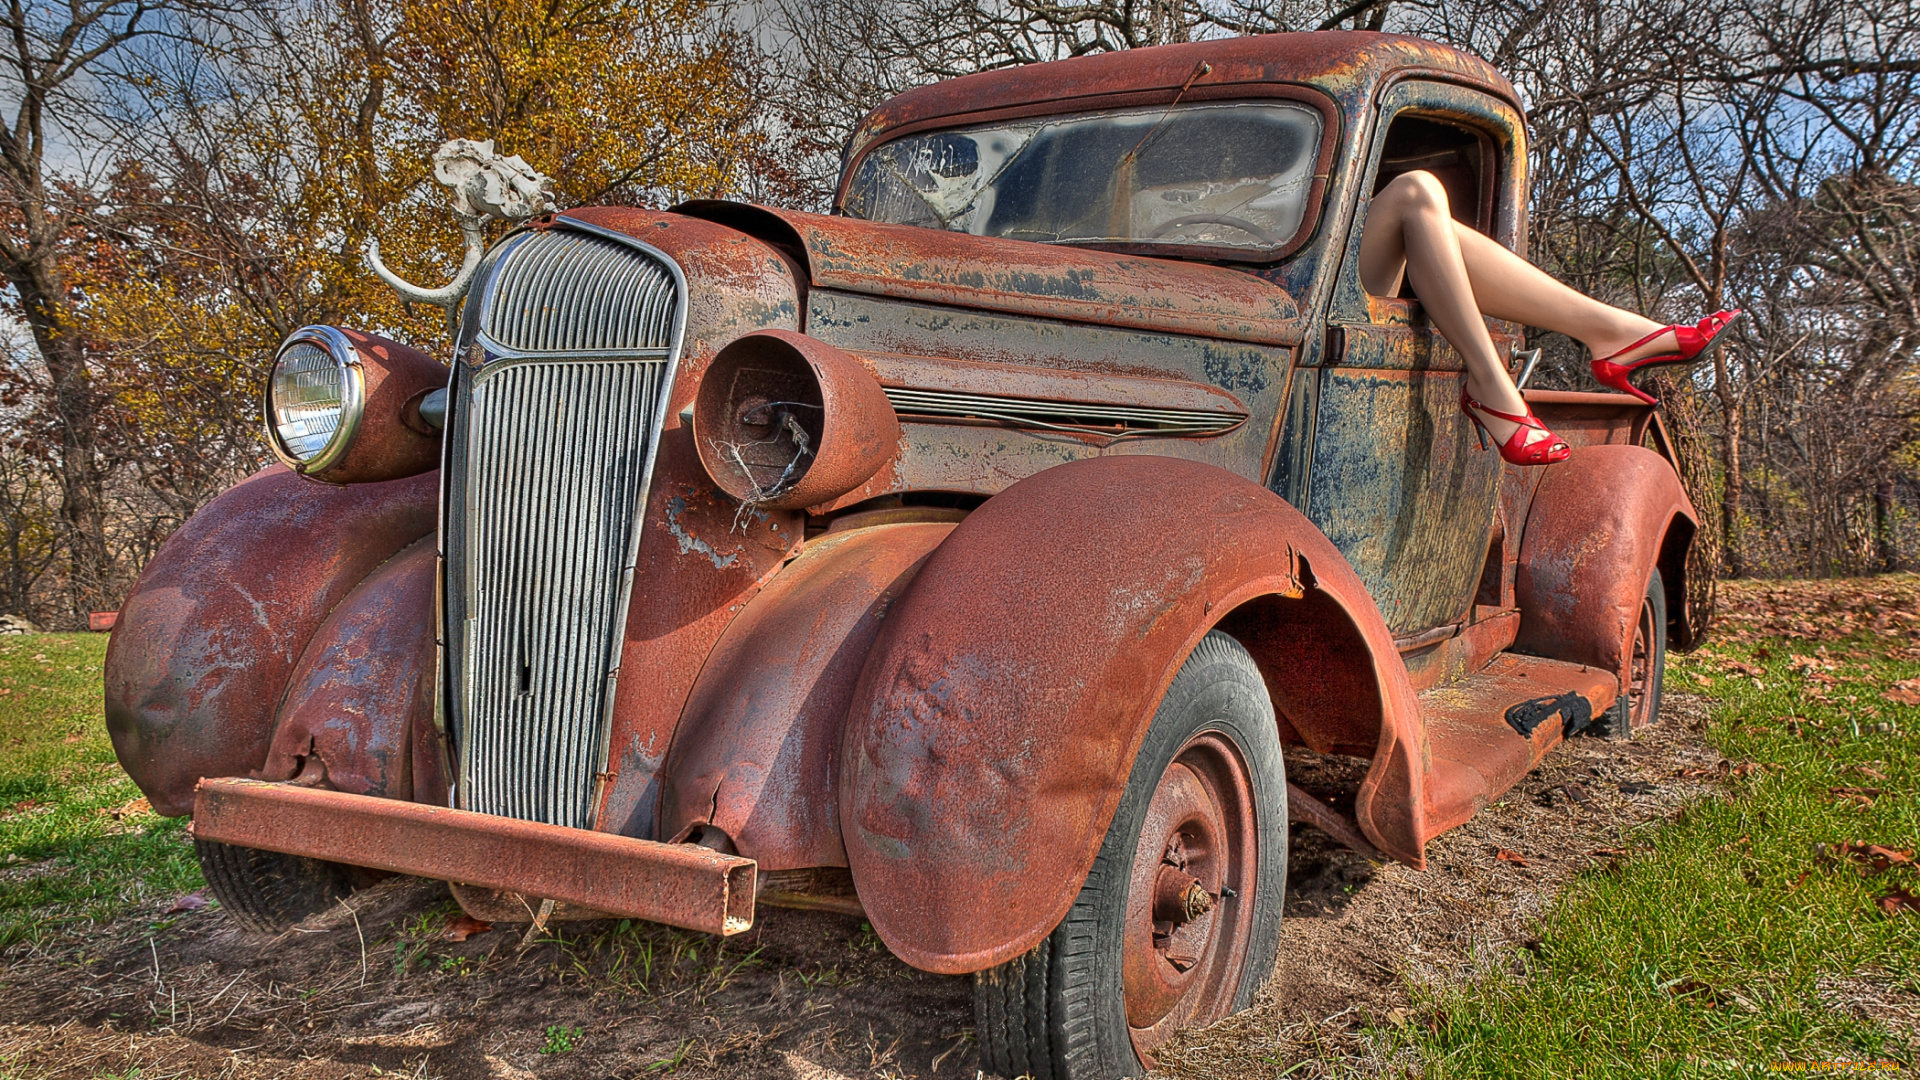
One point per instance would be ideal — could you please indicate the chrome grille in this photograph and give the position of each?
(550, 458)
(561, 291)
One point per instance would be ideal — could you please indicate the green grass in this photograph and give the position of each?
(1702, 952)
(66, 859)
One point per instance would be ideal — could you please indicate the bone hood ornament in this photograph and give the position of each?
(486, 186)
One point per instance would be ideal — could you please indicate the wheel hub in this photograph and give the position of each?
(1179, 898)
(1187, 920)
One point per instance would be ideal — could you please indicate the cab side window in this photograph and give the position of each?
(1462, 158)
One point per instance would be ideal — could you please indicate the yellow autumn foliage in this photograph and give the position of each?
(323, 131)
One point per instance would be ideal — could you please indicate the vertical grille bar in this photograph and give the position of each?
(549, 471)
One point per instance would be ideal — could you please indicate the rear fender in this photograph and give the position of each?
(993, 730)
(358, 714)
(1599, 524)
(757, 753)
(209, 636)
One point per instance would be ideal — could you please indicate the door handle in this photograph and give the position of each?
(1531, 358)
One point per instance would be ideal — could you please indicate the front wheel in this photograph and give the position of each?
(1638, 705)
(267, 892)
(1179, 919)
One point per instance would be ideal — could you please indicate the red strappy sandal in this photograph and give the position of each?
(1695, 342)
(1517, 450)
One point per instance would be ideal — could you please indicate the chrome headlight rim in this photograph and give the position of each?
(353, 398)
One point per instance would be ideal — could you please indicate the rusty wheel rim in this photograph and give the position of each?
(1190, 896)
(1640, 670)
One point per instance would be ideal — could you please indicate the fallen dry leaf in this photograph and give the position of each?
(465, 927)
(1574, 791)
(128, 809)
(1868, 772)
(1863, 796)
(193, 901)
(1899, 902)
(1905, 692)
(1874, 858)
(1694, 988)
(1736, 667)
(1514, 857)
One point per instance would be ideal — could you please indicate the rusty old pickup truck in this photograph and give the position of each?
(962, 559)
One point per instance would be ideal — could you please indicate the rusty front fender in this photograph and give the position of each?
(1599, 524)
(757, 754)
(358, 714)
(993, 731)
(209, 637)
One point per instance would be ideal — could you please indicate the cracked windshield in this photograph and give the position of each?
(1232, 176)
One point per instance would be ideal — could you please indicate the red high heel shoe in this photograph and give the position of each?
(1694, 343)
(1517, 450)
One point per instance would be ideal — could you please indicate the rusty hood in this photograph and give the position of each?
(1019, 277)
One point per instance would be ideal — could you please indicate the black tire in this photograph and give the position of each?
(1638, 706)
(267, 892)
(1061, 1011)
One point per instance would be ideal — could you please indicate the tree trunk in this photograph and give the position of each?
(75, 413)
(1889, 551)
(1732, 430)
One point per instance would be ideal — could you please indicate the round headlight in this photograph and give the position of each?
(315, 398)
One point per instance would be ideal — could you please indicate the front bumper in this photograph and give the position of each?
(677, 884)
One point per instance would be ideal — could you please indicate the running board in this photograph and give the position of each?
(1486, 732)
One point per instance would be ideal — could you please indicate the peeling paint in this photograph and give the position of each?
(676, 507)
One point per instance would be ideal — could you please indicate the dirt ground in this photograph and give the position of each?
(376, 987)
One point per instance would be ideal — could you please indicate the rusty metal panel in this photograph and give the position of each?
(210, 634)
(1593, 535)
(758, 753)
(1475, 752)
(362, 695)
(1593, 419)
(956, 457)
(701, 560)
(677, 884)
(994, 727)
(939, 375)
(1022, 278)
(1402, 488)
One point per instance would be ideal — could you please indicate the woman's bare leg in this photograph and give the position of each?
(1461, 275)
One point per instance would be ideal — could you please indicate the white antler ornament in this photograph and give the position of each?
(486, 186)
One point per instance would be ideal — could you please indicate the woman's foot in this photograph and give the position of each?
(1631, 337)
(1676, 344)
(1521, 437)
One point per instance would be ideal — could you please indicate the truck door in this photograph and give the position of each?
(1397, 478)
